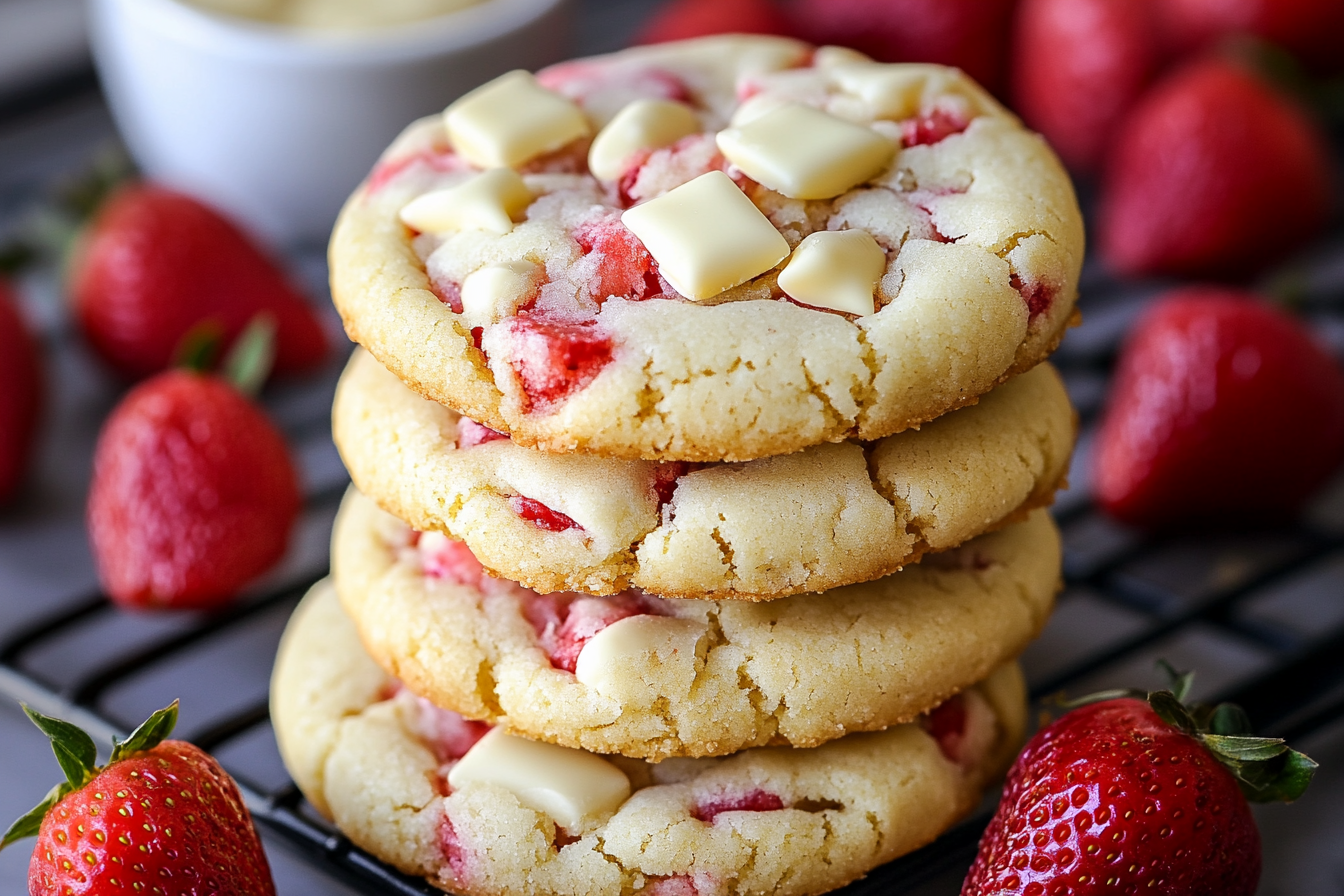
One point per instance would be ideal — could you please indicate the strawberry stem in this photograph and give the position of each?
(78, 757)
(1266, 768)
(249, 361)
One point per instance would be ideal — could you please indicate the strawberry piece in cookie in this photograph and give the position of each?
(555, 358)
(676, 885)
(540, 515)
(752, 801)
(617, 263)
(446, 733)
(946, 723)
(470, 433)
(599, 87)
(446, 558)
(933, 127)
(1038, 296)
(436, 160)
(565, 623)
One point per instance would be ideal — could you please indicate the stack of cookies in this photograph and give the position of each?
(701, 439)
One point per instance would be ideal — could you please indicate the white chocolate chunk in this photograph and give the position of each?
(494, 292)
(836, 269)
(511, 120)
(758, 105)
(831, 56)
(707, 236)
(804, 153)
(642, 125)
(491, 200)
(573, 787)
(616, 659)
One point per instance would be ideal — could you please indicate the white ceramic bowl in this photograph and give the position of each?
(278, 125)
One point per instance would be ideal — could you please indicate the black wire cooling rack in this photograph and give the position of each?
(1264, 611)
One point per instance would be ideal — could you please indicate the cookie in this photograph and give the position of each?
(828, 516)
(653, 678)
(486, 813)
(722, 249)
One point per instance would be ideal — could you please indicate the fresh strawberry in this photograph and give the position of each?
(1222, 408)
(193, 493)
(683, 19)
(1312, 30)
(970, 34)
(156, 264)
(1077, 66)
(160, 817)
(21, 397)
(1135, 795)
(1213, 173)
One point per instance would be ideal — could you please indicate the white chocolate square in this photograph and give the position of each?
(805, 153)
(491, 200)
(511, 120)
(494, 292)
(573, 787)
(612, 661)
(707, 236)
(836, 269)
(642, 125)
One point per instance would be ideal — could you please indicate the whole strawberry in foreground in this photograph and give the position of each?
(1222, 408)
(1076, 68)
(970, 34)
(193, 493)
(684, 19)
(160, 817)
(1213, 173)
(20, 396)
(1135, 795)
(156, 264)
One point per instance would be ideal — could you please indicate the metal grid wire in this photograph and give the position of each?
(1143, 597)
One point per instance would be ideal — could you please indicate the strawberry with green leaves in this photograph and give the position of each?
(160, 817)
(1135, 792)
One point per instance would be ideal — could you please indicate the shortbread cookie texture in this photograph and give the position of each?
(828, 516)
(488, 813)
(722, 249)
(653, 678)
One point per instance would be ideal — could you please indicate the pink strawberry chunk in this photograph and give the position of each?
(752, 801)
(470, 433)
(447, 558)
(451, 847)
(1038, 296)
(541, 516)
(932, 127)
(625, 268)
(439, 160)
(565, 623)
(448, 734)
(676, 885)
(555, 358)
(946, 723)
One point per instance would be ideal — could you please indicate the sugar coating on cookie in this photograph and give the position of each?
(662, 325)
(656, 678)
(380, 762)
(827, 516)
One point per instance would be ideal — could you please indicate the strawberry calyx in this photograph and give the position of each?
(78, 756)
(1265, 768)
(249, 360)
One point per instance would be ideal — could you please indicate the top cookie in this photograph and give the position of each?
(720, 249)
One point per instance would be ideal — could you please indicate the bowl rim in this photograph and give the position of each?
(222, 35)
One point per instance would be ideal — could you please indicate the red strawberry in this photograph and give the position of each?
(1077, 66)
(1313, 30)
(21, 373)
(554, 357)
(193, 493)
(161, 816)
(1222, 408)
(970, 34)
(1128, 796)
(156, 263)
(683, 19)
(1212, 173)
